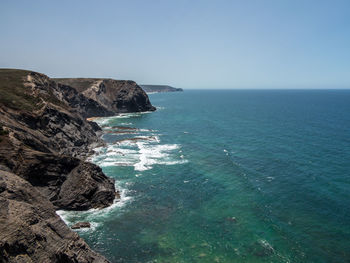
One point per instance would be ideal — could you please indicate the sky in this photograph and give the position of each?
(184, 43)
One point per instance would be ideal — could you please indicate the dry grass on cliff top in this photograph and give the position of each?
(14, 95)
(79, 84)
(13, 92)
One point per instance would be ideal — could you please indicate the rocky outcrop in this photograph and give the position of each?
(47, 146)
(86, 187)
(68, 182)
(81, 225)
(44, 140)
(116, 96)
(30, 230)
(159, 88)
(85, 106)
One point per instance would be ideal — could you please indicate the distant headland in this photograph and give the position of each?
(159, 88)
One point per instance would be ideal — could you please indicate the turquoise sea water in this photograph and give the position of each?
(228, 176)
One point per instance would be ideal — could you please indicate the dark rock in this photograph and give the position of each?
(81, 225)
(116, 96)
(44, 147)
(68, 182)
(86, 187)
(30, 230)
(85, 106)
(45, 139)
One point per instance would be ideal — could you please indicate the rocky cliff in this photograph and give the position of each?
(30, 230)
(44, 140)
(47, 140)
(116, 96)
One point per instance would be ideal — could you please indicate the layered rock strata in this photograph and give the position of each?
(116, 96)
(44, 140)
(30, 230)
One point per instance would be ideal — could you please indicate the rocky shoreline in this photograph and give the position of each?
(44, 141)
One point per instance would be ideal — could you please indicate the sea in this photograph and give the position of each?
(227, 176)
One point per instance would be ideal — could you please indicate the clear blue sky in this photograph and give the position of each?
(188, 44)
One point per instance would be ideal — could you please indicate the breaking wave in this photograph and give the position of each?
(142, 149)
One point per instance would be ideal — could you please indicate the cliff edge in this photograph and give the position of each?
(44, 140)
(116, 96)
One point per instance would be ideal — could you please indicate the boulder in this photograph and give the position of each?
(31, 231)
(81, 225)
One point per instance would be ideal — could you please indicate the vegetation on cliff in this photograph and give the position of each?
(17, 93)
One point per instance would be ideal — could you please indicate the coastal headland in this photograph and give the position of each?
(45, 138)
(159, 88)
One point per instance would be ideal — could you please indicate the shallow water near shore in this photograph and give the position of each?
(227, 176)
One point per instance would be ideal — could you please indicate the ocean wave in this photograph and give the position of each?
(102, 121)
(159, 108)
(141, 152)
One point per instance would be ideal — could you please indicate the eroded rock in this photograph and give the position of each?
(81, 225)
(31, 231)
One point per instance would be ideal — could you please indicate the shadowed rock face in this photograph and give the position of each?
(117, 96)
(44, 139)
(86, 186)
(68, 182)
(85, 106)
(46, 147)
(30, 230)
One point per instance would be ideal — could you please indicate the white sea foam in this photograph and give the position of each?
(147, 130)
(142, 152)
(270, 178)
(150, 154)
(131, 114)
(103, 121)
(266, 245)
(125, 123)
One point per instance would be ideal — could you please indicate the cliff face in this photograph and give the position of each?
(87, 107)
(47, 142)
(30, 230)
(44, 139)
(116, 96)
